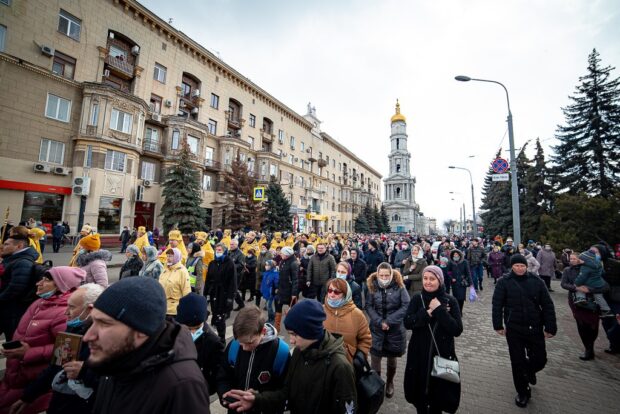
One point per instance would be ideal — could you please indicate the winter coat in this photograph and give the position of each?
(356, 292)
(581, 315)
(523, 303)
(239, 260)
(260, 266)
(162, 377)
(387, 305)
(221, 285)
(421, 389)
(414, 275)
(532, 264)
(460, 277)
(249, 274)
(322, 376)
(210, 350)
(400, 257)
(94, 265)
(287, 284)
(475, 255)
(269, 284)
(152, 267)
(358, 269)
(176, 284)
(43, 320)
(591, 273)
(58, 231)
(16, 286)
(373, 259)
(194, 269)
(125, 236)
(546, 258)
(131, 267)
(351, 323)
(496, 262)
(320, 269)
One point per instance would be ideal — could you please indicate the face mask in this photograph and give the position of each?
(267, 268)
(169, 263)
(457, 258)
(264, 251)
(219, 255)
(335, 303)
(46, 295)
(341, 275)
(197, 333)
(75, 322)
(598, 257)
(82, 251)
(384, 283)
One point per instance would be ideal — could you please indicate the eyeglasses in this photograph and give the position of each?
(334, 291)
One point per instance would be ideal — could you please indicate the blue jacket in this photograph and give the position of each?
(271, 280)
(58, 231)
(591, 273)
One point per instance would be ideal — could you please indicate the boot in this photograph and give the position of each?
(587, 355)
(389, 384)
(277, 321)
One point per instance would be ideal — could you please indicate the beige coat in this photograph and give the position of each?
(351, 323)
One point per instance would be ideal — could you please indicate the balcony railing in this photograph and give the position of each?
(212, 164)
(120, 66)
(152, 145)
(266, 135)
(234, 120)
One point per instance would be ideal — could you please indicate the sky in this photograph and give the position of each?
(353, 58)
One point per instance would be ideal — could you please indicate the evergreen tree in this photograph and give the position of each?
(182, 195)
(370, 218)
(385, 220)
(278, 215)
(587, 157)
(378, 221)
(496, 205)
(241, 210)
(360, 225)
(537, 200)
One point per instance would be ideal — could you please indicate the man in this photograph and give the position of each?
(175, 241)
(142, 241)
(43, 239)
(238, 258)
(374, 257)
(288, 286)
(58, 232)
(546, 258)
(250, 242)
(475, 256)
(220, 288)
(321, 267)
(522, 299)
(401, 255)
(17, 285)
(146, 364)
(320, 379)
(508, 246)
(124, 239)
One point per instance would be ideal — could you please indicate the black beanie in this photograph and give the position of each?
(306, 319)
(138, 302)
(517, 258)
(192, 310)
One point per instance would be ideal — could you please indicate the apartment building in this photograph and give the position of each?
(97, 97)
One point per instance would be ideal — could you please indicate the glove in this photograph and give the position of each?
(405, 277)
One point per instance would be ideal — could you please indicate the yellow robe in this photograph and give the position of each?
(275, 244)
(34, 242)
(142, 242)
(226, 241)
(208, 257)
(247, 246)
(290, 240)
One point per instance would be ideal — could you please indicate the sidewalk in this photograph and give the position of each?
(63, 257)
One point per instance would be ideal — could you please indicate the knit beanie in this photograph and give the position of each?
(192, 310)
(517, 258)
(436, 271)
(288, 251)
(306, 319)
(67, 277)
(138, 302)
(374, 244)
(91, 242)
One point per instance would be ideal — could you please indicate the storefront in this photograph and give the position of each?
(109, 220)
(43, 207)
(316, 222)
(145, 215)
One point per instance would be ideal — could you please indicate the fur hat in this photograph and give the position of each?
(91, 242)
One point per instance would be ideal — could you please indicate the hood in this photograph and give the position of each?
(271, 334)
(373, 285)
(86, 258)
(28, 253)
(151, 254)
(456, 251)
(331, 344)
(589, 259)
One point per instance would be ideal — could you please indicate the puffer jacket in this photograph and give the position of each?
(94, 265)
(260, 266)
(546, 258)
(387, 305)
(414, 275)
(320, 269)
(460, 276)
(16, 286)
(287, 283)
(532, 264)
(351, 323)
(221, 284)
(475, 255)
(358, 269)
(176, 284)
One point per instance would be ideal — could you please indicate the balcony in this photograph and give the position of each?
(267, 152)
(322, 162)
(267, 136)
(311, 157)
(152, 145)
(212, 165)
(120, 67)
(234, 120)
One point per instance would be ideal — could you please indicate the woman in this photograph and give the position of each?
(434, 311)
(587, 321)
(343, 271)
(152, 267)
(345, 255)
(249, 275)
(133, 264)
(346, 319)
(460, 277)
(194, 267)
(37, 331)
(413, 268)
(496, 263)
(174, 280)
(93, 260)
(386, 305)
(532, 263)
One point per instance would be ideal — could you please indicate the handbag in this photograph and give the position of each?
(443, 368)
(370, 386)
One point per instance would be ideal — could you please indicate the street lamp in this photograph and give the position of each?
(473, 203)
(516, 216)
(463, 219)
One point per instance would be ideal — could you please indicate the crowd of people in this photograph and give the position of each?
(155, 341)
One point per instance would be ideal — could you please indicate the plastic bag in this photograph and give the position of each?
(472, 294)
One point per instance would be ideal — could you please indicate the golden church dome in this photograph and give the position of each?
(398, 116)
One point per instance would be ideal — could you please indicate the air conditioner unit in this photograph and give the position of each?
(196, 93)
(61, 171)
(168, 103)
(147, 183)
(139, 193)
(106, 73)
(135, 50)
(81, 186)
(156, 117)
(48, 51)
(38, 167)
(195, 111)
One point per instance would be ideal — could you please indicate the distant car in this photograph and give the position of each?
(435, 248)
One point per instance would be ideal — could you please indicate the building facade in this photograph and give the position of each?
(97, 98)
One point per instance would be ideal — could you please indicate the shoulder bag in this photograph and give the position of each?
(370, 385)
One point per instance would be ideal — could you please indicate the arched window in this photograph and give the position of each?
(397, 168)
(396, 217)
(397, 143)
(397, 192)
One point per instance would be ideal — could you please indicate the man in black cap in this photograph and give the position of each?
(523, 311)
(147, 364)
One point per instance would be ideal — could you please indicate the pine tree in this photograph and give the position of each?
(587, 158)
(496, 205)
(378, 221)
(360, 225)
(385, 220)
(278, 215)
(537, 200)
(370, 218)
(182, 196)
(241, 210)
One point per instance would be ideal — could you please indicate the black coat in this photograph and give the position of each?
(359, 269)
(523, 303)
(221, 285)
(373, 259)
(16, 288)
(131, 267)
(420, 388)
(288, 285)
(210, 351)
(462, 273)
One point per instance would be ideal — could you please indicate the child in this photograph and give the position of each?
(591, 275)
(268, 287)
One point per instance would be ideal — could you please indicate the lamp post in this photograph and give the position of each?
(516, 216)
(462, 210)
(473, 202)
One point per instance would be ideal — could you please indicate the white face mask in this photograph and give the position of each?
(384, 283)
(341, 275)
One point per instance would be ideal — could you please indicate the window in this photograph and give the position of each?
(57, 108)
(88, 158)
(301, 181)
(273, 170)
(215, 101)
(192, 142)
(327, 159)
(333, 163)
(115, 161)
(292, 142)
(151, 140)
(120, 121)
(109, 220)
(251, 141)
(118, 52)
(94, 114)
(280, 136)
(209, 153)
(2, 37)
(175, 140)
(45, 207)
(159, 73)
(155, 104)
(302, 146)
(148, 171)
(253, 121)
(52, 151)
(291, 159)
(206, 182)
(186, 89)
(69, 25)
(212, 126)
(5, 2)
(63, 65)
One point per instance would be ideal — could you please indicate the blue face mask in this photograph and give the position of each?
(75, 322)
(46, 295)
(598, 258)
(196, 334)
(335, 303)
(219, 255)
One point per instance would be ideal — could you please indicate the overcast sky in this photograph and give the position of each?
(353, 58)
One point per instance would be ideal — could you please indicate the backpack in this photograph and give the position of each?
(279, 362)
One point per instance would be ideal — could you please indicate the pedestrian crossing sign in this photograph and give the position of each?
(259, 193)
